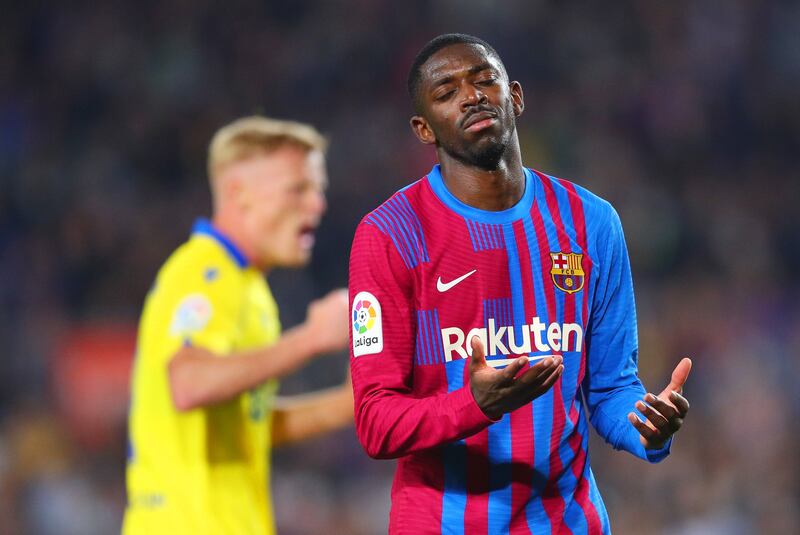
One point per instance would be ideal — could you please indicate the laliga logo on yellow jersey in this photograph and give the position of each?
(367, 325)
(567, 271)
(191, 315)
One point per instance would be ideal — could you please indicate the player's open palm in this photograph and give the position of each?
(500, 391)
(327, 319)
(665, 412)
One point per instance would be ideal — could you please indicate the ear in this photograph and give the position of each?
(422, 130)
(517, 97)
(233, 188)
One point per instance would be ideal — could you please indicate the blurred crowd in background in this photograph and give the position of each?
(685, 115)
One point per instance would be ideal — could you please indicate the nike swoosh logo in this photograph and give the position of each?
(444, 286)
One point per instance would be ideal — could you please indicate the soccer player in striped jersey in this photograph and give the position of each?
(210, 351)
(492, 315)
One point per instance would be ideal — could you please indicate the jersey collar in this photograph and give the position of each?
(519, 210)
(204, 226)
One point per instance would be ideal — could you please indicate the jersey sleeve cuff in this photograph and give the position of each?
(470, 414)
(655, 456)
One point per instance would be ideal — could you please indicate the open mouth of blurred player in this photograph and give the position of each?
(306, 236)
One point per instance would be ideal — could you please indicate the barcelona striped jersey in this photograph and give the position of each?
(548, 276)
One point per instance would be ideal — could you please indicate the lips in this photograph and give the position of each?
(307, 236)
(478, 120)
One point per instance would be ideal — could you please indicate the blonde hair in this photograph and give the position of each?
(249, 136)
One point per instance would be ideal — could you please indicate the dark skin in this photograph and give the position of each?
(467, 107)
(460, 84)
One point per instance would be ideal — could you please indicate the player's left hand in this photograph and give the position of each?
(665, 412)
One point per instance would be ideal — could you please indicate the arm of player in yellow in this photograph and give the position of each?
(302, 417)
(198, 377)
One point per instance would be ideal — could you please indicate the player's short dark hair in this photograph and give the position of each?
(435, 45)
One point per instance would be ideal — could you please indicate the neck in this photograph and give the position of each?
(486, 189)
(235, 231)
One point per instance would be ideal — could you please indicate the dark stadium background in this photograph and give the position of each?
(684, 114)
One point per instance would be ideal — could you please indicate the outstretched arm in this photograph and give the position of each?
(611, 387)
(199, 377)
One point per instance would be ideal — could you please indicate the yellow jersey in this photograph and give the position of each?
(203, 471)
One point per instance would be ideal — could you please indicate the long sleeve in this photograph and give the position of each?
(612, 386)
(391, 421)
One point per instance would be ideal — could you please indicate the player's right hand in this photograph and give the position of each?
(500, 391)
(327, 321)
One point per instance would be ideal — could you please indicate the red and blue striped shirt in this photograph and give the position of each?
(548, 276)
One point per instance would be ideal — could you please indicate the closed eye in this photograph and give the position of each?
(444, 96)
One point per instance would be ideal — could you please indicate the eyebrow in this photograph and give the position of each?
(472, 70)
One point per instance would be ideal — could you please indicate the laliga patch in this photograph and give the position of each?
(192, 315)
(367, 325)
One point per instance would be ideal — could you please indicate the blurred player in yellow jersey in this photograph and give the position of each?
(210, 350)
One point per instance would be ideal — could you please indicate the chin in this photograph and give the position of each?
(489, 153)
(297, 260)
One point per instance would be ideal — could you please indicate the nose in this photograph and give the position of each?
(472, 96)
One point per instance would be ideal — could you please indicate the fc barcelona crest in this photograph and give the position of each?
(567, 271)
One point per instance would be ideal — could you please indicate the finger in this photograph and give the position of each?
(666, 409)
(510, 371)
(541, 384)
(338, 296)
(674, 418)
(551, 380)
(679, 375)
(651, 435)
(653, 416)
(531, 392)
(680, 402)
(339, 293)
(540, 371)
(478, 359)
